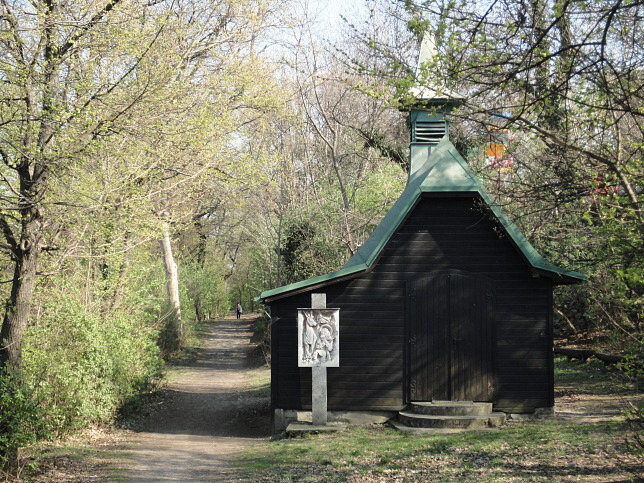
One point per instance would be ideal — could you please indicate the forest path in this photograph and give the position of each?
(210, 413)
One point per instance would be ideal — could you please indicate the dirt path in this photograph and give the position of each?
(209, 415)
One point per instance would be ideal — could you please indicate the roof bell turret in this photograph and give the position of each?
(427, 115)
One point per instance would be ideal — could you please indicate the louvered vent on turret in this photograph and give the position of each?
(429, 132)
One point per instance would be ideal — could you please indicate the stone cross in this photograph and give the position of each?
(318, 375)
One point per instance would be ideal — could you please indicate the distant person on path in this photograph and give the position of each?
(239, 309)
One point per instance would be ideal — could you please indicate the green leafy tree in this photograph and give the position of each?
(150, 84)
(563, 80)
(118, 117)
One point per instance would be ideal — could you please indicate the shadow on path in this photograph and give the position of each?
(210, 413)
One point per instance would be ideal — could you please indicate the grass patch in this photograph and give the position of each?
(590, 377)
(537, 450)
(259, 384)
(89, 455)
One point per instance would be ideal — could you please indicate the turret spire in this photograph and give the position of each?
(428, 113)
(427, 53)
(431, 94)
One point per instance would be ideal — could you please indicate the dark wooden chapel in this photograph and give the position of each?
(447, 300)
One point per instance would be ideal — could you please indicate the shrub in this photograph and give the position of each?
(82, 367)
(20, 419)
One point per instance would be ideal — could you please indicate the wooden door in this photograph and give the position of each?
(451, 338)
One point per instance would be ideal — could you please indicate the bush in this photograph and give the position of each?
(633, 363)
(262, 331)
(83, 367)
(20, 419)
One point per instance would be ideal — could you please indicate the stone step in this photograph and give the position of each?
(451, 408)
(414, 420)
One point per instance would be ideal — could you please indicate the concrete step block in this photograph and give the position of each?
(451, 408)
(411, 419)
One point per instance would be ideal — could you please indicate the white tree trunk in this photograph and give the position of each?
(174, 325)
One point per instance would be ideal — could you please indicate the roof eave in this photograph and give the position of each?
(311, 283)
(560, 276)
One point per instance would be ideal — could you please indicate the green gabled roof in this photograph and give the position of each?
(443, 171)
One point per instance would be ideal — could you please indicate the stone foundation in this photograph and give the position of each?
(282, 417)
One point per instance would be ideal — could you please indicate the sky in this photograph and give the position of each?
(328, 14)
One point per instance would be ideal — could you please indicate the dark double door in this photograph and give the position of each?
(451, 339)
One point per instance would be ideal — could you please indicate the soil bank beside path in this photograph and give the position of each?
(210, 412)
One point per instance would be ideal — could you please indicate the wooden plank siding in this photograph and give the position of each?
(441, 233)
(371, 344)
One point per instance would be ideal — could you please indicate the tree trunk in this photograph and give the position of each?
(16, 315)
(173, 327)
(201, 261)
(33, 175)
(117, 298)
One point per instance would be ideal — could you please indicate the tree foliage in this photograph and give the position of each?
(119, 118)
(338, 168)
(560, 85)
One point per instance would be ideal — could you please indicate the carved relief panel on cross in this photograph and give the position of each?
(318, 337)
